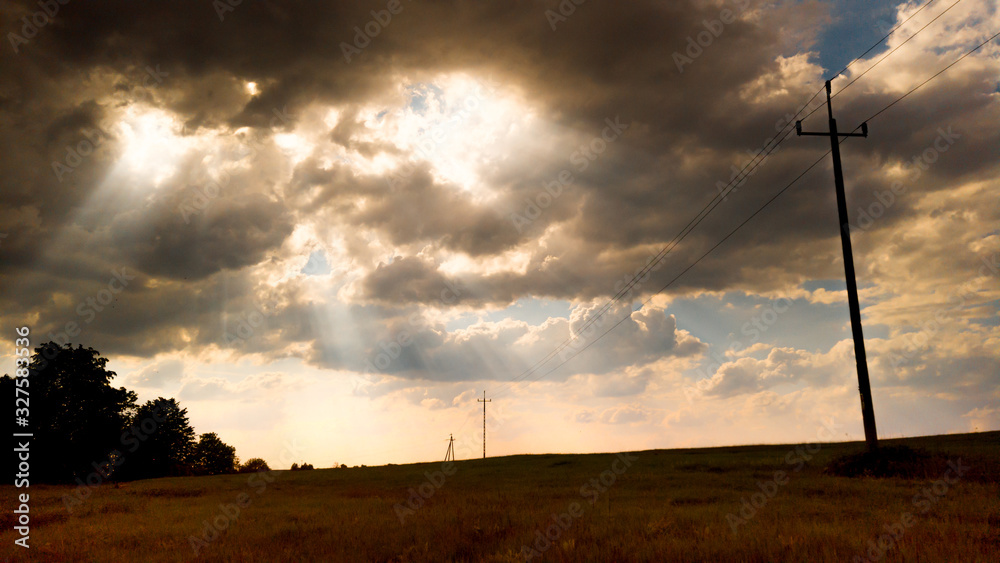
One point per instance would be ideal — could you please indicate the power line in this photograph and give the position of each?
(756, 161)
(759, 210)
(695, 263)
(884, 37)
(715, 202)
(746, 174)
(841, 71)
(886, 55)
(721, 196)
(896, 48)
(938, 73)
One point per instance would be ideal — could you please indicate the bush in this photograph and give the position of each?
(303, 467)
(888, 461)
(254, 465)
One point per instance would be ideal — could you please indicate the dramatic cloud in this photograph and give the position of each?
(275, 189)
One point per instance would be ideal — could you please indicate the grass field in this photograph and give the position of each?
(661, 505)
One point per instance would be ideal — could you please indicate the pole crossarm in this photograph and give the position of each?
(801, 133)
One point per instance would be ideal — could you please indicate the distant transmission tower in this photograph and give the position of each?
(450, 454)
(484, 400)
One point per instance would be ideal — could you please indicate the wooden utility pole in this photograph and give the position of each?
(450, 454)
(864, 386)
(484, 400)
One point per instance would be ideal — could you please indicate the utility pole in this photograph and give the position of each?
(864, 386)
(450, 454)
(484, 400)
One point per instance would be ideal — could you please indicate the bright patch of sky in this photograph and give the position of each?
(317, 264)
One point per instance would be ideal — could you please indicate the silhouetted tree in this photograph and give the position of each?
(77, 417)
(254, 464)
(159, 442)
(212, 456)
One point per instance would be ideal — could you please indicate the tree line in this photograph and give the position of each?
(82, 425)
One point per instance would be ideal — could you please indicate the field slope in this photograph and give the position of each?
(747, 503)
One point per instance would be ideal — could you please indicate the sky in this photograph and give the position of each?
(330, 227)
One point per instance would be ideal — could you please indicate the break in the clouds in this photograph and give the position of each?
(341, 205)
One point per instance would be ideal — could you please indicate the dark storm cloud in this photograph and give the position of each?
(607, 61)
(229, 234)
(412, 208)
(406, 280)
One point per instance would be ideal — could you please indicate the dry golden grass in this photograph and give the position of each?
(669, 505)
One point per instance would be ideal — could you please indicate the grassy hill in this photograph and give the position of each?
(747, 503)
